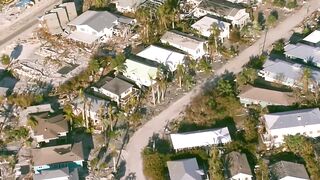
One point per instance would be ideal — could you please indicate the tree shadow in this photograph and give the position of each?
(286, 156)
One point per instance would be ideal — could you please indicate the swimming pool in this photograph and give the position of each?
(23, 3)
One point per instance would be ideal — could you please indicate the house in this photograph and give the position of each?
(90, 107)
(285, 170)
(49, 127)
(50, 21)
(309, 54)
(238, 166)
(164, 56)
(264, 97)
(313, 39)
(286, 73)
(23, 115)
(204, 26)
(235, 13)
(140, 70)
(194, 46)
(277, 125)
(61, 174)
(54, 157)
(118, 90)
(128, 5)
(200, 138)
(185, 169)
(92, 26)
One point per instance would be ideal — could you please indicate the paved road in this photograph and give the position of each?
(25, 23)
(139, 140)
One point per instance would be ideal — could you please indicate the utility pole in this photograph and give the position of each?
(264, 40)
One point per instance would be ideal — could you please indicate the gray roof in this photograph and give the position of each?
(98, 20)
(283, 169)
(185, 169)
(294, 118)
(117, 86)
(50, 174)
(288, 70)
(304, 52)
(58, 154)
(95, 102)
(221, 7)
(237, 163)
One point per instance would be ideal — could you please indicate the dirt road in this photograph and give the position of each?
(139, 140)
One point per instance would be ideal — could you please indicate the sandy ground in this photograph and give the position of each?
(132, 152)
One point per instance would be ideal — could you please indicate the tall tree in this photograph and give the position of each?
(215, 165)
(215, 33)
(180, 73)
(305, 79)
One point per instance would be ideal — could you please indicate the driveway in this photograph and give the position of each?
(139, 140)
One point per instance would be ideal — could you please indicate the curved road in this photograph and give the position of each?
(132, 152)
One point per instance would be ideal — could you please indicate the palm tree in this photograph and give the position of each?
(84, 108)
(68, 114)
(215, 33)
(32, 122)
(180, 73)
(143, 16)
(118, 63)
(305, 79)
(112, 116)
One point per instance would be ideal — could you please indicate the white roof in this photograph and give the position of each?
(83, 37)
(314, 37)
(181, 41)
(204, 24)
(303, 51)
(163, 56)
(140, 72)
(200, 138)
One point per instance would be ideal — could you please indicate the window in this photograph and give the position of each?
(82, 29)
(275, 136)
(310, 132)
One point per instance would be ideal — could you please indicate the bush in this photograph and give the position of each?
(154, 165)
(279, 3)
(235, 35)
(5, 59)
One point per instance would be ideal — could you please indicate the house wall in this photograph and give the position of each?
(248, 101)
(277, 135)
(240, 19)
(241, 176)
(225, 32)
(195, 53)
(115, 97)
(86, 29)
(292, 178)
(71, 165)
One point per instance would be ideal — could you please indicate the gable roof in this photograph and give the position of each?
(98, 20)
(237, 163)
(50, 126)
(260, 94)
(95, 102)
(58, 154)
(314, 37)
(206, 22)
(163, 56)
(179, 39)
(185, 169)
(303, 51)
(221, 7)
(200, 138)
(288, 70)
(117, 86)
(283, 169)
(294, 118)
(51, 174)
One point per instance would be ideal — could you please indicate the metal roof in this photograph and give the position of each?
(185, 169)
(288, 169)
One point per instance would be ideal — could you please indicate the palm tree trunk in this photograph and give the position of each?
(180, 82)
(153, 95)
(158, 93)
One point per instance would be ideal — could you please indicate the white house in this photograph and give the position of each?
(233, 12)
(200, 138)
(285, 170)
(128, 5)
(264, 97)
(304, 52)
(53, 157)
(185, 169)
(204, 25)
(49, 127)
(140, 70)
(238, 167)
(117, 90)
(286, 73)
(277, 125)
(189, 44)
(163, 56)
(313, 38)
(91, 26)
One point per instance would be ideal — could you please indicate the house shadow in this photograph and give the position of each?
(80, 135)
(286, 156)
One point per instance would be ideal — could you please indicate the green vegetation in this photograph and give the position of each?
(303, 147)
(15, 134)
(272, 18)
(215, 165)
(5, 59)
(25, 100)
